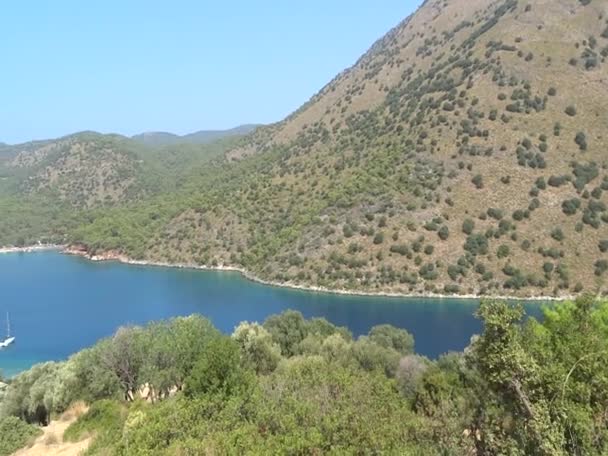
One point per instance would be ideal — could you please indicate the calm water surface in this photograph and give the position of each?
(59, 304)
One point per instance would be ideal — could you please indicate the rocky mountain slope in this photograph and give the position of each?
(465, 152)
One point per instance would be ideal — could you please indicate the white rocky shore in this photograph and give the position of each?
(31, 248)
(113, 256)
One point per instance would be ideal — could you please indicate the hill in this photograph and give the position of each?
(160, 138)
(50, 187)
(463, 153)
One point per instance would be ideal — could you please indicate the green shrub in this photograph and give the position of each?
(468, 226)
(581, 140)
(443, 233)
(15, 434)
(219, 371)
(476, 244)
(557, 234)
(104, 419)
(601, 266)
(478, 181)
(379, 238)
(503, 251)
(569, 207)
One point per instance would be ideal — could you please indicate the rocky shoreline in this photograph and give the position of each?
(32, 248)
(121, 258)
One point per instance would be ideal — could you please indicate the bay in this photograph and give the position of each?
(59, 304)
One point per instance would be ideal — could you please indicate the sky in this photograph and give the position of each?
(128, 66)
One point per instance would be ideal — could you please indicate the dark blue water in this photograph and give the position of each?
(59, 304)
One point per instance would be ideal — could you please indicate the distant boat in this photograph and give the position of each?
(9, 340)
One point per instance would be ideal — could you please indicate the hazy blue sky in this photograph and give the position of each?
(129, 65)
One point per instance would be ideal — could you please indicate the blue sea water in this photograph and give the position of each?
(59, 304)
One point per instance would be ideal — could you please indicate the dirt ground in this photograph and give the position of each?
(51, 442)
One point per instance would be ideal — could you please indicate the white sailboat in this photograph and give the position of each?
(9, 340)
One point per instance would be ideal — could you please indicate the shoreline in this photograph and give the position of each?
(123, 259)
(32, 248)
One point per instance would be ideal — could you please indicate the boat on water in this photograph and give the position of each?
(8, 340)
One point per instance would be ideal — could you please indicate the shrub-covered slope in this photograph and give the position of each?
(464, 153)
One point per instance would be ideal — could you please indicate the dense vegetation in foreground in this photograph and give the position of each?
(296, 386)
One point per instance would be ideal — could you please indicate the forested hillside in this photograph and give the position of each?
(296, 386)
(49, 188)
(463, 153)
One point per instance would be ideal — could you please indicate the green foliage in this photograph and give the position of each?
(476, 244)
(390, 337)
(15, 434)
(257, 347)
(219, 370)
(288, 330)
(478, 181)
(503, 251)
(468, 226)
(105, 420)
(581, 141)
(524, 386)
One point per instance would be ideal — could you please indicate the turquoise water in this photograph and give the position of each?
(59, 304)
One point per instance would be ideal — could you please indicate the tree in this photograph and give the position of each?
(388, 336)
(409, 374)
(219, 370)
(257, 347)
(372, 356)
(511, 372)
(287, 329)
(123, 355)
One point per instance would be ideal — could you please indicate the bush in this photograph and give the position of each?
(443, 233)
(557, 234)
(476, 244)
(478, 181)
(260, 352)
(495, 213)
(15, 434)
(571, 111)
(581, 140)
(388, 336)
(105, 419)
(379, 238)
(569, 207)
(503, 251)
(468, 226)
(601, 266)
(219, 371)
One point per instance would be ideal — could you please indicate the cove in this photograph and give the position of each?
(60, 304)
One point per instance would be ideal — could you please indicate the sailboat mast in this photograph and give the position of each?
(8, 326)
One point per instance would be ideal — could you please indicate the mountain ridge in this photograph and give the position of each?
(163, 138)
